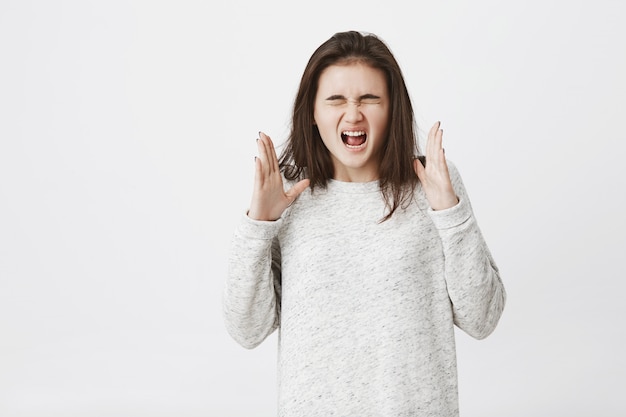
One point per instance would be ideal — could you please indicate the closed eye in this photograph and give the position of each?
(369, 99)
(338, 100)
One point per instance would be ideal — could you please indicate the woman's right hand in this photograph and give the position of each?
(269, 199)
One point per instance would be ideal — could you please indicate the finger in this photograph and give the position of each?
(442, 155)
(419, 169)
(438, 145)
(438, 138)
(274, 155)
(443, 165)
(258, 173)
(432, 135)
(434, 129)
(271, 153)
(263, 157)
(297, 189)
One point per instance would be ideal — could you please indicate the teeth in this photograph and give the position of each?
(356, 133)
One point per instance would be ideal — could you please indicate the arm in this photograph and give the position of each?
(472, 277)
(251, 299)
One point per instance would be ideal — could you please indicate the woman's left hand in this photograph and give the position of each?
(434, 177)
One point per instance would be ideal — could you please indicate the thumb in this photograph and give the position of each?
(419, 168)
(297, 189)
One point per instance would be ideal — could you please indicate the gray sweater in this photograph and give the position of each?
(365, 310)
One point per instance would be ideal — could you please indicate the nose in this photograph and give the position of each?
(353, 111)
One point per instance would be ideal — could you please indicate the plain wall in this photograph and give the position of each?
(126, 160)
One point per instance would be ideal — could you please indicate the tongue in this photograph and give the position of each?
(355, 140)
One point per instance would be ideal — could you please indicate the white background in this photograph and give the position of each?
(126, 151)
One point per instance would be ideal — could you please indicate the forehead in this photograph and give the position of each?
(356, 77)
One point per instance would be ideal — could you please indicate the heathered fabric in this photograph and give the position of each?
(365, 310)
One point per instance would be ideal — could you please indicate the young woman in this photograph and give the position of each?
(363, 253)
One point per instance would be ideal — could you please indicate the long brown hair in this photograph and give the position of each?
(305, 155)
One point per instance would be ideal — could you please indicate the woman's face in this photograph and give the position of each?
(352, 115)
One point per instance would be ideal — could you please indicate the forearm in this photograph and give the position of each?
(250, 302)
(472, 277)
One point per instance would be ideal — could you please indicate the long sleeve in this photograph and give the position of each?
(367, 309)
(472, 277)
(251, 298)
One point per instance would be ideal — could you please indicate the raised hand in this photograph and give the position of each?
(269, 199)
(435, 177)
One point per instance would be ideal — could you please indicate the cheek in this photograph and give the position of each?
(380, 122)
(324, 121)
(318, 119)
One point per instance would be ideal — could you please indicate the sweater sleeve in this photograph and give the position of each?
(472, 277)
(251, 297)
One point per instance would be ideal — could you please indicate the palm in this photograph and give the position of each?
(434, 176)
(269, 198)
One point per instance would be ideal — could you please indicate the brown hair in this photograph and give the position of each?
(305, 155)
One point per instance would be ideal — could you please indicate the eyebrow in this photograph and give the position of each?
(340, 97)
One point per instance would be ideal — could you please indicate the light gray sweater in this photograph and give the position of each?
(365, 310)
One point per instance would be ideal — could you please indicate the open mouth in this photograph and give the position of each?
(354, 139)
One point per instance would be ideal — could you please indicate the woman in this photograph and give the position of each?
(363, 255)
